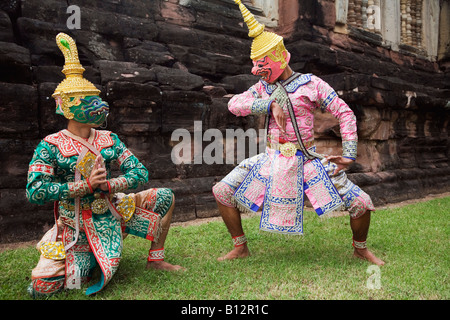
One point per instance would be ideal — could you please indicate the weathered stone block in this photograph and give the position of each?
(16, 155)
(6, 31)
(16, 226)
(240, 83)
(182, 108)
(123, 71)
(39, 37)
(150, 53)
(221, 118)
(326, 13)
(49, 121)
(19, 106)
(206, 206)
(117, 25)
(119, 90)
(93, 46)
(178, 79)
(177, 14)
(132, 8)
(15, 63)
(369, 122)
(313, 53)
(51, 11)
(325, 125)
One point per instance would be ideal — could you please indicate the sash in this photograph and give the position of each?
(318, 187)
(104, 232)
(88, 146)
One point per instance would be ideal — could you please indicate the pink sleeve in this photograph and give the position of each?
(328, 100)
(250, 102)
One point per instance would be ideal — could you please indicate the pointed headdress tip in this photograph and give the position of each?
(74, 84)
(69, 49)
(254, 27)
(264, 41)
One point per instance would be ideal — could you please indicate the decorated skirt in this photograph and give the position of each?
(277, 184)
(99, 242)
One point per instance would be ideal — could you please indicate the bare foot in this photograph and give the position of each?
(162, 265)
(365, 254)
(236, 253)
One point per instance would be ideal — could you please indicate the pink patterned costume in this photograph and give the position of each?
(277, 182)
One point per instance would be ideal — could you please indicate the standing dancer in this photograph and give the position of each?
(278, 179)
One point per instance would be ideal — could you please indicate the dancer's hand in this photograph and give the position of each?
(279, 116)
(341, 162)
(98, 175)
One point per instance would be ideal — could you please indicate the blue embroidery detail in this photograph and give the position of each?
(297, 228)
(239, 194)
(328, 100)
(291, 87)
(350, 149)
(323, 178)
(254, 93)
(350, 196)
(260, 106)
(297, 203)
(270, 88)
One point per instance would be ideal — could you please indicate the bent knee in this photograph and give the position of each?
(223, 193)
(165, 199)
(166, 193)
(361, 205)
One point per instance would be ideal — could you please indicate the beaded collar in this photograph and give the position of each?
(291, 87)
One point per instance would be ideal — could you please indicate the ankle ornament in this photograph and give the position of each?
(239, 240)
(359, 244)
(156, 255)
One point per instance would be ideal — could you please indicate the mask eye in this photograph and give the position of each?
(260, 65)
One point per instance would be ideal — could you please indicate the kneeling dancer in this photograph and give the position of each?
(72, 168)
(278, 179)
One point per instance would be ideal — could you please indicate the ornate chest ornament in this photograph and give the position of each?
(86, 165)
(126, 207)
(99, 205)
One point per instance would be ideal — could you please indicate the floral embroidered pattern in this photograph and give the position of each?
(69, 147)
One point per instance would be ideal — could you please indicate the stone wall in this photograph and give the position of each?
(161, 65)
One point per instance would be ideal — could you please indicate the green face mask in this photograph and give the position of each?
(90, 110)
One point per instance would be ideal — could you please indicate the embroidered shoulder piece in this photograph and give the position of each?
(69, 147)
(291, 87)
(103, 139)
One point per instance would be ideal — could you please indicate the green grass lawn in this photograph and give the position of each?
(412, 240)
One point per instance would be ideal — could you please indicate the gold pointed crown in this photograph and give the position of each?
(264, 42)
(74, 85)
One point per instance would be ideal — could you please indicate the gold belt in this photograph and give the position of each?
(288, 149)
(125, 206)
(98, 206)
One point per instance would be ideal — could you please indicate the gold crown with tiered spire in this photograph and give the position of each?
(74, 85)
(264, 42)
